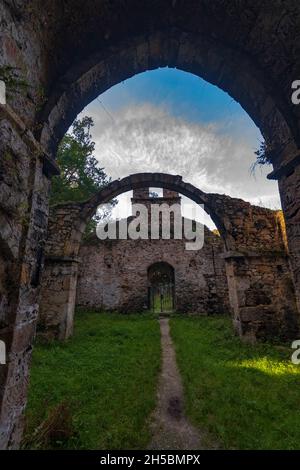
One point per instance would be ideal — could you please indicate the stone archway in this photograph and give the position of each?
(240, 71)
(67, 223)
(247, 48)
(211, 60)
(254, 251)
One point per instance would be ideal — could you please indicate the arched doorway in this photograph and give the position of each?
(161, 279)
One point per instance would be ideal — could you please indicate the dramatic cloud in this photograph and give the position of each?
(213, 157)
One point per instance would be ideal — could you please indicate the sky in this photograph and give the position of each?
(171, 121)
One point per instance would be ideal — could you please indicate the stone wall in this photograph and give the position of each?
(262, 296)
(252, 236)
(24, 188)
(247, 227)
(113, 274)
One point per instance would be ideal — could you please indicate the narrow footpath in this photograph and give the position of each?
(170, 427)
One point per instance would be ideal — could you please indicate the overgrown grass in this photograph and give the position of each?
(103, 381)
(247, 397)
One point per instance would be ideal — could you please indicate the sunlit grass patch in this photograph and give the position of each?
(246, 396)
(269, 366)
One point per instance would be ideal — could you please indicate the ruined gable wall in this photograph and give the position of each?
(113, 274)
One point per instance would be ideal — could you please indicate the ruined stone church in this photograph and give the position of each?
(161, 275)
(245, 272)
(247, 49)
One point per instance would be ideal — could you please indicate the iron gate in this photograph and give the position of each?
(162, 298)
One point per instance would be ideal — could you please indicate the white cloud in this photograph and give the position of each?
(213, 157)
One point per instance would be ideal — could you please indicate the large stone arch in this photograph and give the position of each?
(244, 65)
(49, 42)
(216, 62)
(67, 223)
(254, 247)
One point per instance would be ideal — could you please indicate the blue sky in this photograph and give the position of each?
(173, 121)
(184, 94)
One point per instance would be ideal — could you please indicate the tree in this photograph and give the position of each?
(81, 176)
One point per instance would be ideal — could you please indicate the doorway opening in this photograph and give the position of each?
(161, 280)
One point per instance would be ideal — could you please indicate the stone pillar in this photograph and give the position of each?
(262, 295)
(290, 199)
(57, 306)
(19, 316)
(58, 290)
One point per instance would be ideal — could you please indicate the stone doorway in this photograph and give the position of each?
(161, 288)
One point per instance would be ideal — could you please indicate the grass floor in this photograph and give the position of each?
(97, 390)
(247, 397)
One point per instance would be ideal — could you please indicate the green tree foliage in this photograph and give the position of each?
(81, 176)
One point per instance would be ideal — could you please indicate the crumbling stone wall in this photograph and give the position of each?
(247, 227)
(252, 236)
(261, 289)
(113, 274)
(262, 296)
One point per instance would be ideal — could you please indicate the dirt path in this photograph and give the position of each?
(170, 427)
